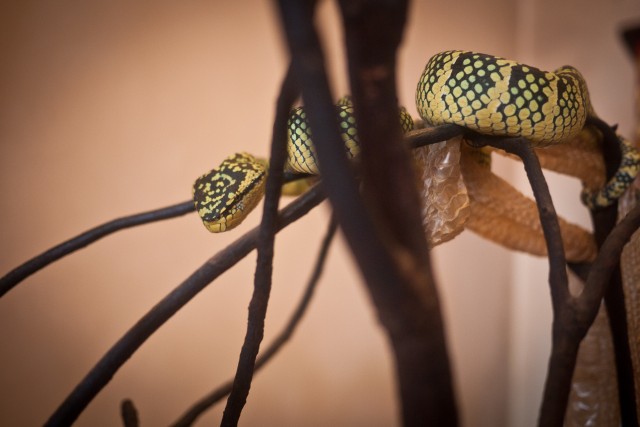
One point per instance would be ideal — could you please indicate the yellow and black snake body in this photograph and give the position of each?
(225, 195)
(302, 156)
(484, 93)
(496, 96)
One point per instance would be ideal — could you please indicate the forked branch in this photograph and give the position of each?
(192, 414)
(120, 352)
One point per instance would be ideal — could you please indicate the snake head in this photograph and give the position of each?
(225, 196)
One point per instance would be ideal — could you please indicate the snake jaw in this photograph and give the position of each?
(225, 196)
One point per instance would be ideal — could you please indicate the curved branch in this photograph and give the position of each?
(25, 270)
(414, 139)
(583, 311)
(572, 316)
(192, 414)
(565, 340)
(129, 414)
(432, 135)
(604, 221)
(264, 264)
(118, 354)
(604, 265)
(558, 279)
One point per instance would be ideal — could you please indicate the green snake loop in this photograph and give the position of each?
(484, 93)
(224, 196)
(497, 96)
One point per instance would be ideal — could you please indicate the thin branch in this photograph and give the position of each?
(604, 221)
(433, 135)
(118, 354)
(558, 280)
(584, 309)
(603, 267)
(192, 414)
(565, 340)
(25, 270)
(129, 414)
(413, 139)
(264, 265)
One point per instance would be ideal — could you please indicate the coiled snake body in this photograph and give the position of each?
(224, 196)
(491, 96)
(497, 96)
(487, 94)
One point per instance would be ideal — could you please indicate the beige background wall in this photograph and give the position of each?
(114, 107)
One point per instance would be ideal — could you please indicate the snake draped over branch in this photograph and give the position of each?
(485, 94)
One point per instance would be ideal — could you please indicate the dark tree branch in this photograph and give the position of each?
(573, 316)
(565, 338)
(433, 135)
(129, 414)
(605, 265)
(604, 277)
(414, 139)
(604, 220)
(117, 355)
(264, 266)
(192, 414)
(390, 250)
(407, 302)
(558, 280)
(23, 271)
(384, 232)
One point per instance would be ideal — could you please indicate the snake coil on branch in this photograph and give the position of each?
(486, 95)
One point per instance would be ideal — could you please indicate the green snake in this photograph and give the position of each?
(484, 93)
(496, 96)
(224, 196)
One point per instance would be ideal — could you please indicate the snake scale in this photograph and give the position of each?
(483, 93)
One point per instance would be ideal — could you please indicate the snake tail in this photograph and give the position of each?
(619, 183)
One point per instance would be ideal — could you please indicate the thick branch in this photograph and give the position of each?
(129, 414)
(390, 251)
(117, 355)
(191, 415)
(408, 303)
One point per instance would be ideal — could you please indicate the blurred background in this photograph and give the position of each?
(109, 108)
